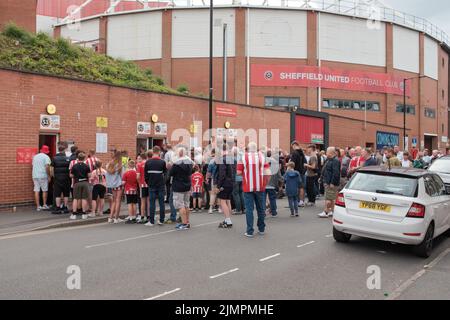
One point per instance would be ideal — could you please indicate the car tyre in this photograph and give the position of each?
(424, 249)
(341, 237)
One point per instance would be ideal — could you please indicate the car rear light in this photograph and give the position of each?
(416, 211)
(340, 200)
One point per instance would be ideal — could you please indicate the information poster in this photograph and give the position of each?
(101, 144)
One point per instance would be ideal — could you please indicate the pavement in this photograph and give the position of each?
(297, 258)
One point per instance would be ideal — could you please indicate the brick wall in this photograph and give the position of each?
(22, 13)
(25, 96)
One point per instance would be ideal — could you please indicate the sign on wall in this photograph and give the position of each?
(226, 111)
(101, 142)
(144, 128)
(387, 139)
(317, 138)
(50, 122)
(102, 122)
(313, 77)
(161, 129)
(25, 155)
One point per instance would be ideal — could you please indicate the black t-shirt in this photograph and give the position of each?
(80, 172)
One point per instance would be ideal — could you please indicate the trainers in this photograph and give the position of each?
(296, 214)
(39, 208)
(65, 210)
(292, 215)
(110, 220)
(323, 215)
(301, 204)
(183, 227)
(58, 211)
(224, 225)
(248, 235)
(73, 217)
(261, 233)
(45, 207)
(160, 223)
(118, 220)
(210, 211)
(149, 224)
(91, 215)
(84, 216)
(130, 221)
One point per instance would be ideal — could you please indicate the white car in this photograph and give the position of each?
(402, 205)
(441, 166)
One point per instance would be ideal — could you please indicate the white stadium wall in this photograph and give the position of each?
(278, 34)
(45, 24)
(88, 30)
(135, 36)
(190, 33)
(406, 49)
(351, 40)
(431, 58)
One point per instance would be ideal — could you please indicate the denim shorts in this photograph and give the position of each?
(302, 184)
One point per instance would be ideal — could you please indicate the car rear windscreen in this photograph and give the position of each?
(384, 184)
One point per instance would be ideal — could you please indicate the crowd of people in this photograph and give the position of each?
(225, 179)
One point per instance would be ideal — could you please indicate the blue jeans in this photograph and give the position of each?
(252, 199)
(173, 211)
(157, 193)
(293, 204)
(238, 196)
(272, 195)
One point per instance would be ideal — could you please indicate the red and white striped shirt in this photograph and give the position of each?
(252, 167)
(91, 161)
(197, 182)
(140, 168)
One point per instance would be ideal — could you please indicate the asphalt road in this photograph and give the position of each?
(297, 258)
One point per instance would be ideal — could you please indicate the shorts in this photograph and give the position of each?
(40, 184)
(196, 195)
(132, 198)
(302, 184)
(225, 194)
(331, 193)
(98, 191)
(109, 191)
(61, 186)
(81, 190)
(207, 186)
(181, 199)
(144, 192)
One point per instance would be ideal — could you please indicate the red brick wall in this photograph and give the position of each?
(25, 96)
(22, 13)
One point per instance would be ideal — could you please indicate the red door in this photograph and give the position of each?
(309, 130)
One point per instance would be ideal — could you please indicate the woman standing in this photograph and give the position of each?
(114, 185)
(225, 181)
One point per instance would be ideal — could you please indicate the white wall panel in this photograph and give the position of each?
(135, 36)
(83, 31)
(190, 33)
(431, 59)
(352, 40)
(45, 24)
(278, 34)
(406, 49)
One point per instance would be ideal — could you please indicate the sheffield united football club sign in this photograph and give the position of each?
(314, 77)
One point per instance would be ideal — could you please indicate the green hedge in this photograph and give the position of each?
(25, 51)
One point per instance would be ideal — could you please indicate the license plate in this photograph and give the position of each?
(375, 206)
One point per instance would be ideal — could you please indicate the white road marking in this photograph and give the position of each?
(328, 236)
(223, 273)
(163, 294)
(305, 244)
(142, 236)
(269, 257)
(405, 285)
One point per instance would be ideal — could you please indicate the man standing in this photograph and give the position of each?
(311, 175)
(181, 172)
(298, 157)
(398, 153)
(356, 162)
(254, 171)
(41, 176)
(155, 170)
(62, 182)
(80, 173)
(331, 181)
(369, 159)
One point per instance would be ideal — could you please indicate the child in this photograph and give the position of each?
(197, 189)
(292, 180)
(98, 180)
(143, 188)
(130, 183)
